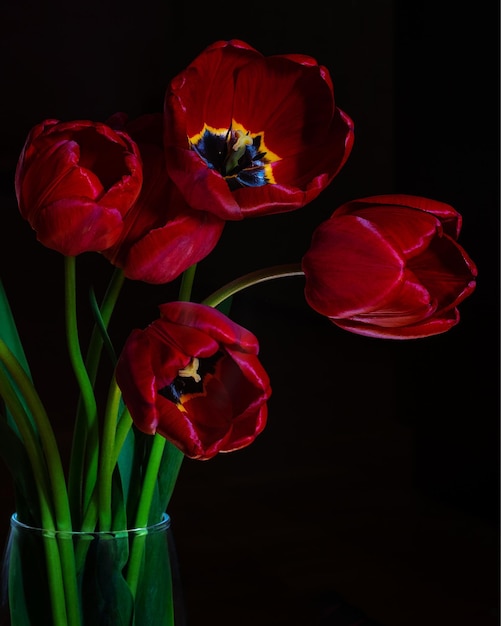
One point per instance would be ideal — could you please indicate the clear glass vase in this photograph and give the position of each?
(62, 578)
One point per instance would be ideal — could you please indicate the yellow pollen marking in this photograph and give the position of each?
(270, 157)
(191, 370)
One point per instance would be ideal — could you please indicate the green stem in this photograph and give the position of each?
(77, 464)
(106, 464)
(123, 427)
(88, 437)
(90, 518)
(187, 283)
(106, 311)
(47, 437)
(253, 278)
(143, 510)
(40, 474)
(55, 474)
(91, 515)
(89, 521)
(31, 445)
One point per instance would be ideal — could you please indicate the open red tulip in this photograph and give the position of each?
(194, 377)
(250, 135)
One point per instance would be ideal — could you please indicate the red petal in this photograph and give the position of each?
(289, 102)
(429, 327)
(76, 225)
(164, 253)
(448, 216)
(349, 268)
(212, 322)
(206, 87)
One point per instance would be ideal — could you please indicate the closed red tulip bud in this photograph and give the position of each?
(194, 377)
(250, 135)
(389, 266)
(75, 181)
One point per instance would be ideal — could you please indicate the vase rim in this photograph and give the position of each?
(160, 526)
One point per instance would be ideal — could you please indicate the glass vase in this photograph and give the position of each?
(62, 578)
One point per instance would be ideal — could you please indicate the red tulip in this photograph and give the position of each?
(194, 377)
(389, 266)
(75, 181)
(162, 235)
(251, 135)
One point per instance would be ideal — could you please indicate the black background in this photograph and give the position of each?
(377, 475)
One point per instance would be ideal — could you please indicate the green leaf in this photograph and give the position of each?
(155, 594)
(9, 330)
(14, 454)
(125, 463)
(27, 579)
(137, 459)
(172, 459)
(106, 597)
(101, 326)
(119, 513)
(10, 336)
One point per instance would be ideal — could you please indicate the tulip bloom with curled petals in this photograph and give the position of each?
(194, 377)
(249, 135)
(390, 267)
(162, 235)
(75, 181)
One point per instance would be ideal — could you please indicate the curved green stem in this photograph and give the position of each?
(88, 440)
(187, 283)
(77, 475)
(40, 474)
(55, 474)
(89, 521)
(143, 510)
(32, 447)
(106, 310)
(123, 427)
(253, 278)
(46, 434)
(106, 464)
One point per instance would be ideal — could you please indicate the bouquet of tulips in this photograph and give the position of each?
(240, 136)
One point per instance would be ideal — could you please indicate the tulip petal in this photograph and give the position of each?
(350, 269)
(76, 225)
(290, 102)
(450, 219)
(432, 326)
(408, 303)
(212, 322)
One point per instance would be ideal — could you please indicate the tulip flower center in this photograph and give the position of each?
(191, 380)
(239, 156)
